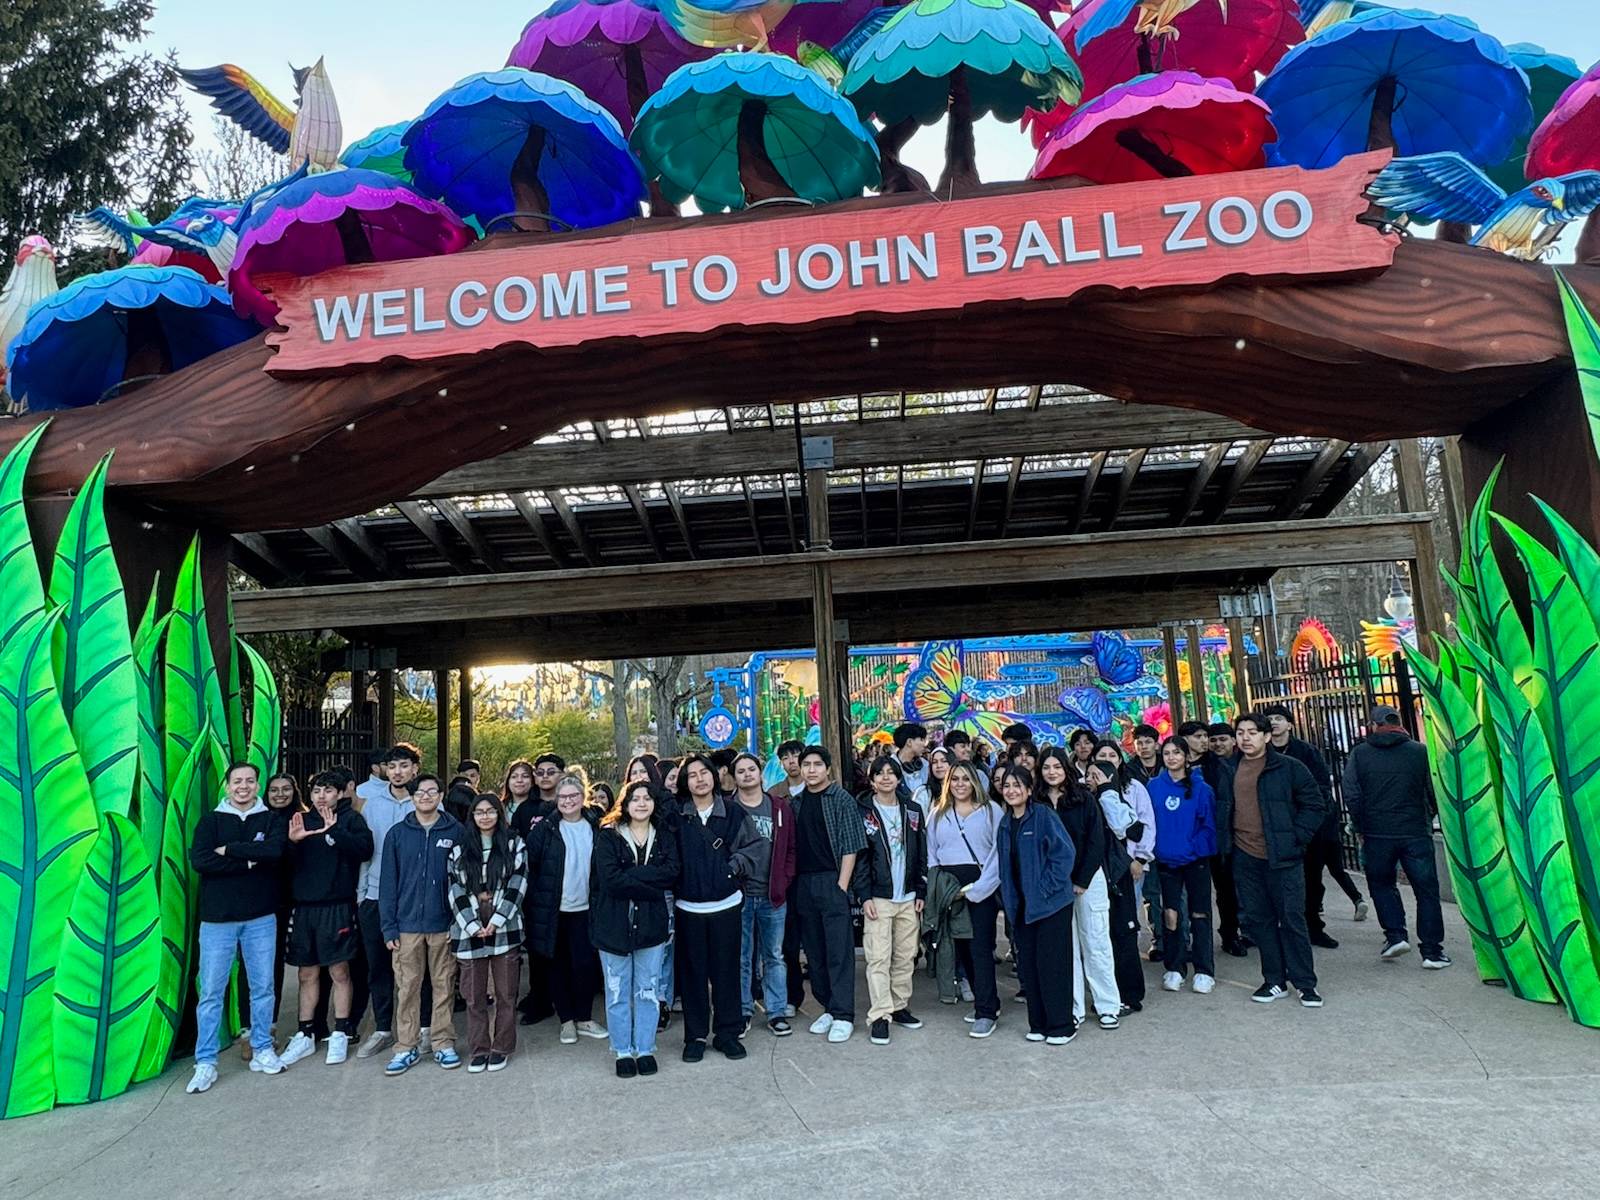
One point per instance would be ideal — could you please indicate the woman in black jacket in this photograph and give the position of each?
(1085, 823)
(635, 865)
(560, 856)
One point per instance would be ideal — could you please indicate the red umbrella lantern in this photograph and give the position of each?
(1568, 139)
(1160, 127)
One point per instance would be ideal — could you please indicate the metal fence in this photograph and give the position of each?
(317, 740)
(1329, 703)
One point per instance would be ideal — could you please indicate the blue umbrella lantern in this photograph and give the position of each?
(1399, 79)
(381, 150)
(514, 145)
(108, 331)
(745, 127)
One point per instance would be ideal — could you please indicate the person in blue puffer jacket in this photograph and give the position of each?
(1186, 840)
(1036, 858)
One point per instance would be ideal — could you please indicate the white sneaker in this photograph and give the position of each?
(338, 1048)
(840, 1031)
(1203, 984)
(205, 1074)
(592, 1029)
(569, 1033)
(1361, 910)
(1172, 982)
(823, 1023)
(301, 1045)
(377, 1041)
(267, 1062)
(425, 1042)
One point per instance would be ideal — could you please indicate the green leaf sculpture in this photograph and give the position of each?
(192, 698)
(1489, 617)
(234, 701)
(147, 642)
(94, 650)
(1583, 331)
(47, 825)
(108, 970)
(21, 591)
(1578, 557)
(1475, 842)
(1566, 655)
(266, 715)
(1537, 837)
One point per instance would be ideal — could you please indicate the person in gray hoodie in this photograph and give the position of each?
(416, 915)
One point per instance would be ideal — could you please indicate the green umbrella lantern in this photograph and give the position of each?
(740, 128)
(961, 57)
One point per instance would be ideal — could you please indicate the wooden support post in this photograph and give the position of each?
(466, 712)
(1197, 674)
(358, 695)
(1269, 628)
(441, 726)
(1457, 502)
(386, 707)
(819, 538)
(1169, 647)
(1240, 663)
(1427, 590)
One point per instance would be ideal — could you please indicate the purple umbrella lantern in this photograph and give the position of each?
(616, 53)
(326, 221)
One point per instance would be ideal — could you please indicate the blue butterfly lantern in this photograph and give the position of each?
(1087, 708)
(1117, 662)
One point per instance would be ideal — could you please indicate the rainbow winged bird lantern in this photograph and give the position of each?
(309, 132)
(964, 59)
(1525, 224)
(1399, 79)
(725, 24)
(32, 279)
(617, 52)
(331, 220)
(824, 25)
(105, 332)
(515, 145)
(1153, 21)
(381, 150)
(1236, 44)
(744, 127)
(1163, 126)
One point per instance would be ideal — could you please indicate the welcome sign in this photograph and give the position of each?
(695, 277)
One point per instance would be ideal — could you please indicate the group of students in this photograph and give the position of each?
(693, 880)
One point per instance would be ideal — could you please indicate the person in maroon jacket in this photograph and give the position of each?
(765, 890)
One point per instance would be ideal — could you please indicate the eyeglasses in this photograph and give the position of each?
(427, 791)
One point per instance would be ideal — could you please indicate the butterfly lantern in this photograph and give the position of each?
(937, 690)
(1116, 661)
(1086, 708)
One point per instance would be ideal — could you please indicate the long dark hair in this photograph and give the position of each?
(1188, 771)
(1023, 776)
(492, 871)
(652, 769)
(505, 785)
(617, 815)
(1119, 773)
(297, 804)
(683, 774)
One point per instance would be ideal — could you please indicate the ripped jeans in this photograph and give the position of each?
(632, 1010)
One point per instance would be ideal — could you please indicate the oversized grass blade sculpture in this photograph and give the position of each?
(1513, 725)
(112, 742)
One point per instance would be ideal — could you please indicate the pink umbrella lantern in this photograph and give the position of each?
(329, 220)
(617, 53)
(1568, 139)
(1250, 38)
(1160, 127)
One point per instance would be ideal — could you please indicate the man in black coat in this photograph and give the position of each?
(1390, 796)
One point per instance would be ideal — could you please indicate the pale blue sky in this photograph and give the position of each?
(388, 58)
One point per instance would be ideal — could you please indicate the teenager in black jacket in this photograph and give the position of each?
(327, 846)
(718, 848)
(1085, 823)
(635, 865)
(560, 857)
(891, 881)
(235, 848)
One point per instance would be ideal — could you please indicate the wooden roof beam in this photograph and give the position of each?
(1204, 470)
(429, 528)
(462, 524)
(1329, 455)
(1243, 468)
(569, 521)
(534, 519)
(1091, 479)
(1125, 479)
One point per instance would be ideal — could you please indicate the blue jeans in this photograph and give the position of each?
(632, 1009)
(220, 942)
(665, 983)
(1381, 856)
(759, 916)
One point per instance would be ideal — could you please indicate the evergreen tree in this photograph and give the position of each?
(82, 120)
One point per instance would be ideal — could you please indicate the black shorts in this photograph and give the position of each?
(322, 934)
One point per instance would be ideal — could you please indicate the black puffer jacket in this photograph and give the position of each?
(627, 891)
(1292, 809)
(1387, 787)
(547, 868)
(1085, 824)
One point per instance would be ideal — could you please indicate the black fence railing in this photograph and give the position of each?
(1329, 703)
(317, 740)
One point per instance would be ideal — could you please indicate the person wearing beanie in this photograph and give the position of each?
(1390, 796)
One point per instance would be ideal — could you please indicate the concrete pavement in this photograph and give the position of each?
(1408, 1084)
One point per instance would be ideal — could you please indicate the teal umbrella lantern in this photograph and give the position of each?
(744, 127)
(380, 150)
(966, 58)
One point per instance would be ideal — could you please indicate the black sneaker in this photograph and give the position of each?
(1309, 998)
(694, 1051)
(1393, 950)
(1235, 948)
(880, 1032)
(479, 1064)
(746, 1028)
(646, 1064)
(780, 1027)
(627, 1068)
(497, 1062)
(1435, 962)
(666, 1018)
(1268, 992)
(1153, 954)
(731, 1047)
(1324, 941)
(905, 1019)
